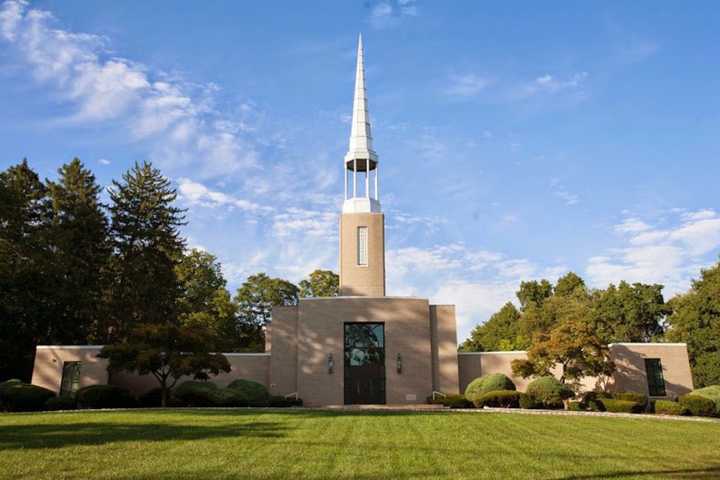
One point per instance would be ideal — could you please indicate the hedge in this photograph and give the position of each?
(632, 397)
(576, 406)
(21, 397)
(712, 392)
(488, 383)
(698, 406)
(194, 393)
(104, 396)
(278, 401)
(549, 392)
(668, 407)
(63, 402)
(451, 401)
(528, 402)
(498, 399)
(250, 391)
(593, 400)
(621, 406)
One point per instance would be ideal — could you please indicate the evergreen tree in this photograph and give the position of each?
(80, 246)
(24, 268)
(147, 247)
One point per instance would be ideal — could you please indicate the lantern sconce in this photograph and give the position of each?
(399, 363)
(330, 363)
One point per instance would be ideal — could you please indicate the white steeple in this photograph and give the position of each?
(360, 156)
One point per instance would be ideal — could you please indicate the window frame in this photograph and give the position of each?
(363, 241)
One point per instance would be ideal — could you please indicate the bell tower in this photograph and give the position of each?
(362, 223)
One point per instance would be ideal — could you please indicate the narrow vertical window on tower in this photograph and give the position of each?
(362, 246)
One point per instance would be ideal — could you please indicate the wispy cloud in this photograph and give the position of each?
(389, 13)
(177, 118)
(550, 84)
(669, 255)
(195, 193)
(467, 85)
(558, 189)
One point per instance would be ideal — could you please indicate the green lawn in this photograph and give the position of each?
(200, 444)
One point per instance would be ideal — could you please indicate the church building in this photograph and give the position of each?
(364, 346)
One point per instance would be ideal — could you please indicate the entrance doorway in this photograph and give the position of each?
(364, 363)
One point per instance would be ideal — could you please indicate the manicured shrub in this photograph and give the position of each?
(22, 397)
(9, 383)
(528, 402)
(592, 400)
(452, 401)
(576, 406)
(63, 402)
(698, 406)
(621, 406)
(195, 393)
(549, 392)
(498, 399)
(488, 383)
(228, 397)
(632, 397)
(712, 392)
(153, 399)
(668, 407)
(253, 393)
(104, 396)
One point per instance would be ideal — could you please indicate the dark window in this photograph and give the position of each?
(656, 382)
(364, 361)
(70, 378)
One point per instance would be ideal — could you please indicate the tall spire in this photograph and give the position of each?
(360, 156)
(360, 136)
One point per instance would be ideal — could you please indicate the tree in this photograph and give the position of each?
(168, 352)
(80, 246)
(255, 299)
(499, 333)
(320, 283)
(147, 246)
(695, 319)
(571, 343)
(629, 313)
(206, 301)
(24, 262)
(534, 293)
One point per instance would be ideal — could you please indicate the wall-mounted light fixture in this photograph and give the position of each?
(330, 363)
(399, 363)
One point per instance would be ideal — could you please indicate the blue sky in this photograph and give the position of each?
(517, 141)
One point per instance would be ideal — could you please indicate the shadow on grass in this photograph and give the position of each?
(683, 473)
(57, 435)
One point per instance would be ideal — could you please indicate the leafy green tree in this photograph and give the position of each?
(695, 319)
(147, 246)
(570, 284)
(167, 352)
(630, 313)
(499, 333)
(206, 301)
(255, 299)
(534, 293)
(320, 283)
(24, 260)
(571, 343)
(81, 250)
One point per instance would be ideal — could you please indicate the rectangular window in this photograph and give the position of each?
(655, 379)
(70, 378)
(362, 248)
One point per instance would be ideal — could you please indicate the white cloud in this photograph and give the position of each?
(298, 222)
(559, 190)
(670, 256)
(104, 161)
(550, 84)
(197, 194)
(176, 117)
(388, 13)
(467, 85)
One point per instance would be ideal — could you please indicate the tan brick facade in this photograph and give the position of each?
(362, 280)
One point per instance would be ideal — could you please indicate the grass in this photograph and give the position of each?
(254, 444)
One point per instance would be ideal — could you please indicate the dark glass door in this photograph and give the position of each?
(364, 363)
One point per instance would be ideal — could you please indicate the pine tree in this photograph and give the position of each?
(79, 241)
(147, 246)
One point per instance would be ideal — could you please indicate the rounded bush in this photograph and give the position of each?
(712, 392)
(498, 399)
(228, 397)
(64, 402)
(104, 396)
(252, 392)
(488, 383)
(527, 402)
(549, 392)
(21, 397)
(592, 400)
(195, 393)
(698, 406)
(576, 406)
(282, 402)
(667, 407)
(621, 406)
(153, 398)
